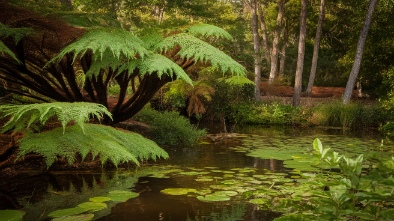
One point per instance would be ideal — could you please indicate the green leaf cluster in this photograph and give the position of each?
(27, 115)
(103, 142)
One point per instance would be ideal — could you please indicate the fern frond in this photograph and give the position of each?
(5, 50)
(116, 43)
(237, 81)
(207, 30)
(23, 116)
(159, 64)
(194, 48)
(107, 143)
(16, 33)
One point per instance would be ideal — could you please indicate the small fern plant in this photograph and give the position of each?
(103, 142)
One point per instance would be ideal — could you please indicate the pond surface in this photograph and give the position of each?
(219, 179)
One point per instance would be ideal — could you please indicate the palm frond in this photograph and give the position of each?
(194, 48)
(23, 116)
(107, 143)
(160, 65)
(117, 43)
(207, 30)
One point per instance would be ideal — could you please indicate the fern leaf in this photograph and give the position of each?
(194, 48)
(237, 81)
(23, 116)
(159, 64)
(114, 44)
(16, 33)
(107, 143)
(207, 30)
(5, 50)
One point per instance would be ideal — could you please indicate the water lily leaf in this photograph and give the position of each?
(178, 191)
(122, 195)
(67, 212)
(203, 179)
(92, 206)
(193, 173)
(213, 198)
(99, 199)
(259, 201)
(11, 215)
(82, 217)
(226, 193)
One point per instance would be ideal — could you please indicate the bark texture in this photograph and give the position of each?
(275, 42)
(359, 53)
(301, 55)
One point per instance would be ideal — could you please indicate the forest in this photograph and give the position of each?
(109, 85)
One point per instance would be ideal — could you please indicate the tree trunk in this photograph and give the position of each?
(275, 42)
(256, 47)
(359, 53)
(301, 54)
(316, 47)
(282, 59)
(264, 35)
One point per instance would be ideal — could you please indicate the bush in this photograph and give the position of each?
(169, 128)
(268, 114)
(353, 115)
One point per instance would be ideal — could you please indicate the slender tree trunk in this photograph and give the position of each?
(256, 46)
(301, 55)
(264, 35)
(359, 53)
(275, 42)
(316, 47)
(282, 59)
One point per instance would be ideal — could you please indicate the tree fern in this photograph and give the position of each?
(103, 142)
(23, 116)
(16, 33)
(237, 81)
(117, 44)
(194, 48)
(207, 30)
(160, 65)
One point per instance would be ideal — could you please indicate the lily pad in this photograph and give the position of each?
(82, 217)
(11, 215)
(68, 212)
(259, 201)
(122, 195)
(92, 206)
(178, 191)
(213, 198)
(99, 199)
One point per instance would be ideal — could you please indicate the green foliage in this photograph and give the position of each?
(169, 128)
(198, 50)
(268, 114)
(208, 31)
(107, 143)
(35, 115)
(353, 115)
(16, 33)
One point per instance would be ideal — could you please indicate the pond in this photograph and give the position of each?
(239, 176)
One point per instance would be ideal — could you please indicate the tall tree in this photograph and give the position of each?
(275, 42)
(359, 53)
(316, 47)
(264, 34)
(252, 4)
(301, 55)
(285, 42)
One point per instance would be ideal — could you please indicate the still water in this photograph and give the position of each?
(234, 166)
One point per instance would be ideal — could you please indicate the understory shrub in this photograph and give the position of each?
(268, 114)
(336, 114)
(169, 128)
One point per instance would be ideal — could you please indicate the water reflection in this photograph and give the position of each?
(39, 195)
